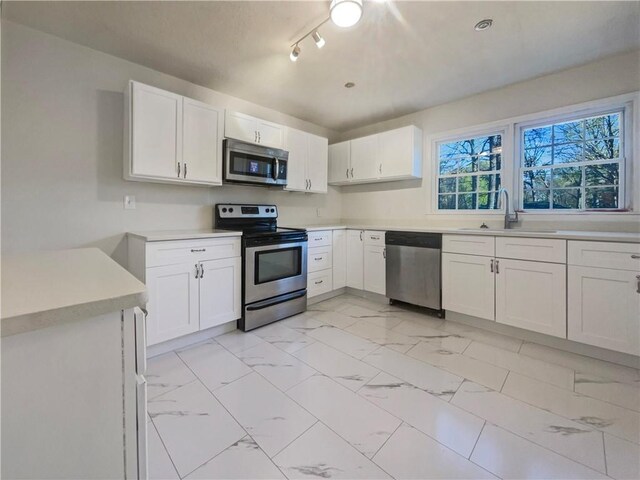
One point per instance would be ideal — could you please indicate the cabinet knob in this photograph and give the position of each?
(197, 270)
(195, 250)
(635, 256)
(318, 283)
(185, 170)
(178, 169)
(491, 265)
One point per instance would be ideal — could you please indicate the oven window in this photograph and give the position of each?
(250, 165)
(277, 264)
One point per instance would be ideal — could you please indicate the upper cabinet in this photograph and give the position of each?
(383, 157)
(246, 128)
(170, 138)
(307, 165)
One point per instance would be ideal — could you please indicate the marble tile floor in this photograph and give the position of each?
(353, 388)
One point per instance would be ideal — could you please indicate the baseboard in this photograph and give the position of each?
(326, 296)
(195, 337)
(374, 297)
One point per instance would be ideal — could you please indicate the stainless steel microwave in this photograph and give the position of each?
(247, 163)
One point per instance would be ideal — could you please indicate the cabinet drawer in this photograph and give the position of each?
(536, 249)
(373, 237)
(621, 256)
(173, 252)
(319, 283)
(319, 258)
(319, 239)
(469, 244)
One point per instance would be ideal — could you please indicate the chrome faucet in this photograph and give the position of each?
(509, 218)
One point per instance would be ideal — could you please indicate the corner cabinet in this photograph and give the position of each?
(383, 157)
(192, 284)
(246, 128)
(308, 160)
(170, 138)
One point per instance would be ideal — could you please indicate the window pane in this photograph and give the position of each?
(566, 198)
(536, 199)
(467, 201)
(602, 149)
(447, 202)
(449, 150)
(571, 152)
(468, 164)
(536, 179)
(567, 177)
(489, 163)
(537, 156)
(487, 200)
(488, 182)
(603, 127)
(605, 174)
(536, 137)
(601, 197)
(447, 185)
(467, 184)
(448, 167)
(568, 132)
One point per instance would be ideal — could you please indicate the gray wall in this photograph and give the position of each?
(62, 132)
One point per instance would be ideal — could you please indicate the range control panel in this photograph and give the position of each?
(232, 210)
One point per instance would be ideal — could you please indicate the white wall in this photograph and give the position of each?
(62, 185)
(408, 203)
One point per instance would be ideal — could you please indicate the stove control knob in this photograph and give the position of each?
(224, 210)
(231, 210)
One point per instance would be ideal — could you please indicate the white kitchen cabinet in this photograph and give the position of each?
(468, 285)
(307, 165)
(375, 269)
(250, 129)
(364, 159)
(355, 259)
(155, 145)
(531, 295)
(173, 302)
(339, 259)
(400, 153)
(170, 138)
(340, 163)
(220, 287)
(203, 130)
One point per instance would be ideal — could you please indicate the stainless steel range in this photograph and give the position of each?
(274, 263)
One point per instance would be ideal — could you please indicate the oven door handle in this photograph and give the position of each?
(275, 301)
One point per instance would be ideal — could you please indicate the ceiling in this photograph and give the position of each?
(403, 56)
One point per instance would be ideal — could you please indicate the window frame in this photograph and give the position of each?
(464, 134)
(568, 114)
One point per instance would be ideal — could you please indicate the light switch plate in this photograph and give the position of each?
(129, 202)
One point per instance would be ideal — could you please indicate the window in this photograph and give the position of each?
(573, 165)
(469, 173)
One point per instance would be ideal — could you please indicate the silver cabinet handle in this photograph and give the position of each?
(255, 136)
(178, 169)
(384, 252)
(201, 271)
(195, 250)
(347, 173)
(635, 256)
(318, 283)
(317, 259)
(351, 172)
(638, 283)
(375, 237)
(491, 265)
(310, 184)
(361, 232)
(259, 138)
(380, 169)
(497, 266)
(197, 270)
(185, 170)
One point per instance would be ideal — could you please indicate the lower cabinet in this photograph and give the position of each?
(319, 283)
(604, 308)
(468, 285)
(220, 287)
(339, 259)
(531, 295)
(355, 259)
(375, 269)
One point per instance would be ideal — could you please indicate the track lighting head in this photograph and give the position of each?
(318, 39)
(293, 56)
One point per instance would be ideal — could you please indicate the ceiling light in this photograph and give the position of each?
(318, 39)
(293, 56)
(346, 13)
(483, 24)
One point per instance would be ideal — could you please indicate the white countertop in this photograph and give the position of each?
(167, 235)
(628, 237)
(41, 289)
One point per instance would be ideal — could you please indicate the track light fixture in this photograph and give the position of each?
(344, 13)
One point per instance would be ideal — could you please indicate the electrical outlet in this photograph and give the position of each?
(320, 212)
(129, 202)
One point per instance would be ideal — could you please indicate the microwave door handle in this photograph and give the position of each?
(276, 169)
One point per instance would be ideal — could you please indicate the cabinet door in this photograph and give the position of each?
(270, 134)
(375, 274)
(297, 144)
(173, 302)
(339, 163)
(339, 259)
(203, 127)
(468, 285)
(156, 132)
(400, 153)
(604, 308)
(364, 158)
(532, 295)
(220, 290)
(317, 163)
(355, 252)
(241, 127)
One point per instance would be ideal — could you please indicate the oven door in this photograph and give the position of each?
(272, 270)
(253, 164)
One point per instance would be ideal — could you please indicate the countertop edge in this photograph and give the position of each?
(168, 237)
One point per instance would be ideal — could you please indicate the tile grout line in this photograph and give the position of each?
(165, 448)
(477, 440)
(504, 382)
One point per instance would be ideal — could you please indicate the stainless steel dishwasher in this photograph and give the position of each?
(413, 268)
